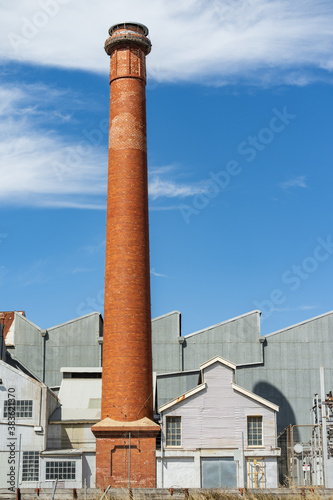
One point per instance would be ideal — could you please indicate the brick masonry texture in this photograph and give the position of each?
(112, 461)
(127, 355)
(127, 386)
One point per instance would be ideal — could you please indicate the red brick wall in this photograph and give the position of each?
(127, 356)
(112, 461)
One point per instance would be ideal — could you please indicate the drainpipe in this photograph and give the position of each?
(323, 422)
(181, 341)
(43, 334)
(100, 355)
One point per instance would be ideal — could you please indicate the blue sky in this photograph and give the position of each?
(239, 111)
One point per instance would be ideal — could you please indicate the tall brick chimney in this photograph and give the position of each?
(126, 434)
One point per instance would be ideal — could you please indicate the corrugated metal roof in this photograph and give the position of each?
(222, 323)
(300, 324)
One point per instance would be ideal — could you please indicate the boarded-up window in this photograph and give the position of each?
(173, 431)
(254, 431)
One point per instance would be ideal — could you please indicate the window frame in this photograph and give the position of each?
(22, 407)
(30, 462)
(53, 465)
(173, 431)
(253, 432)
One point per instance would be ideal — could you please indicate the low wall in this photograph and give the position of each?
(171, 494)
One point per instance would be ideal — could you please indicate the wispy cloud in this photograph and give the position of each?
(92, 249)
(154, 273)
(295, 182)
(293, 309)
(79, 270)
(39, 166)
(35, 274)
(164, 182)
(159, 188)
(266, 42)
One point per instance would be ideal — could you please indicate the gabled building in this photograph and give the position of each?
(218, 435)
(25, 407)
(45, 351)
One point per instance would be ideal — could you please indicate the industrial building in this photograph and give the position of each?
(282, 368)
(77, 414)
(218, 435)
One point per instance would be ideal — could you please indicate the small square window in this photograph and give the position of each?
(21, 407)
(173, 431)
(254, 431)
(60, 470)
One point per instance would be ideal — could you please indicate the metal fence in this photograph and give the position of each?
(301, 460)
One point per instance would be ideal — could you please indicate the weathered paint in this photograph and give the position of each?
(30, 431)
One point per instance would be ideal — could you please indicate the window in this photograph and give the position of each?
(254, 431)
(60, 470)
(173, 431)
(30, 468)
(23, 408)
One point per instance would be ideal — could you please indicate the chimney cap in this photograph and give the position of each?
(127, 26)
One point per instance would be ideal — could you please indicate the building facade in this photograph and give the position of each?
(218, 435)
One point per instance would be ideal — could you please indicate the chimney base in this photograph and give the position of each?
(125, 453)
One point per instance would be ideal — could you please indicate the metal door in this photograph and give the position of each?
(218, 472)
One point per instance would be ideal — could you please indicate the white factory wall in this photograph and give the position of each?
(25, 433)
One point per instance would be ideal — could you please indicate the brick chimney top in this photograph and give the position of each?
(123, 33)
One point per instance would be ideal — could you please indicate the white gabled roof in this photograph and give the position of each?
(202, 386)
(217, 359)
(251, 395)
(187, 394)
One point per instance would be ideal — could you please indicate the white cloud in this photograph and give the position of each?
(214, 41)
(154, 273)
(159, 188)
(40, 167)
(294, 182)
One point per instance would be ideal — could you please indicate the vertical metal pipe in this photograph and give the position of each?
(18, 465)
(54, 488)
(129, 461)
(243, 461)
(323, 420)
